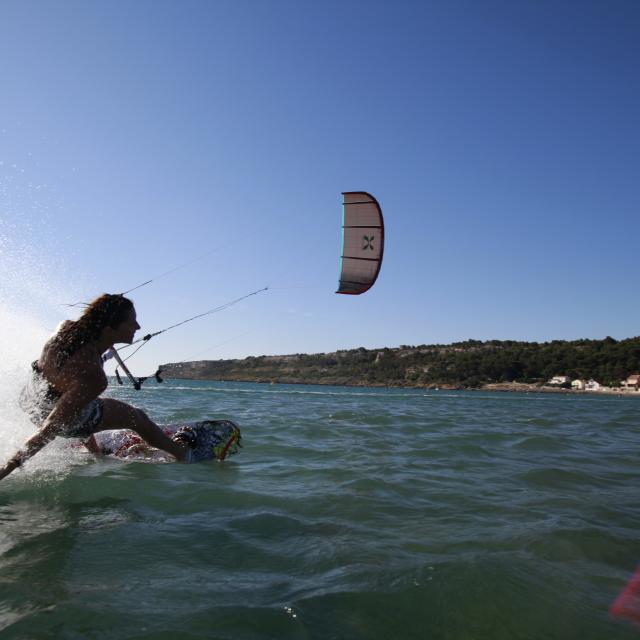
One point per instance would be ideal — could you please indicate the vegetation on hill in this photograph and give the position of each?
(468, 364)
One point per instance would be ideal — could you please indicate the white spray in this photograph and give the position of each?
(31, 297)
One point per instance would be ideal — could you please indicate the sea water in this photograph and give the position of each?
(349, 513)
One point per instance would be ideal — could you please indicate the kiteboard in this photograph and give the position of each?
(207, 439)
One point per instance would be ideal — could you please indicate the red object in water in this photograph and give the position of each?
(627, 604)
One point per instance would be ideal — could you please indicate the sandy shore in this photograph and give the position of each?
(534, 388)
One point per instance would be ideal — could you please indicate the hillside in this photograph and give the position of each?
(469, 364)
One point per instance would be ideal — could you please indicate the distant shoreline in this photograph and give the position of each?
(472, 365)
(531, 388)
(497, 387)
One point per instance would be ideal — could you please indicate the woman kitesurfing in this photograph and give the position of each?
(63, 396)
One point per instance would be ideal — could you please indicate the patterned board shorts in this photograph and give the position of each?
(35, 403)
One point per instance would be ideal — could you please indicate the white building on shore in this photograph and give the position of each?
(633, 381)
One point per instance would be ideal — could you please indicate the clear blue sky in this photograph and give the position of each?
(501, 139)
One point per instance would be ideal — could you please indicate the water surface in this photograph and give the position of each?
(350, 513)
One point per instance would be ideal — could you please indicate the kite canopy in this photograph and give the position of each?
(362, 242)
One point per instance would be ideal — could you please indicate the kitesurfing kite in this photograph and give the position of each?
(362, 242)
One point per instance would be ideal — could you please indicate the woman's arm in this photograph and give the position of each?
(66, 411)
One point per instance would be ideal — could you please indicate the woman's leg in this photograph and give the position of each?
(120, 415)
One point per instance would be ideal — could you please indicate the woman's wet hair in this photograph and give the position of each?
(108, 310)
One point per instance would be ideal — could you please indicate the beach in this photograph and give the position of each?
(520, 387)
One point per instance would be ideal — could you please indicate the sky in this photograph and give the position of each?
(501, 139)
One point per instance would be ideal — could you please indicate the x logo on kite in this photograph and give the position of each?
(368, 242)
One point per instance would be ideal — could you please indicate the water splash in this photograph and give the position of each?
(31, 293)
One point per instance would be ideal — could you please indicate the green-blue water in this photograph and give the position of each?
(350, 513)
